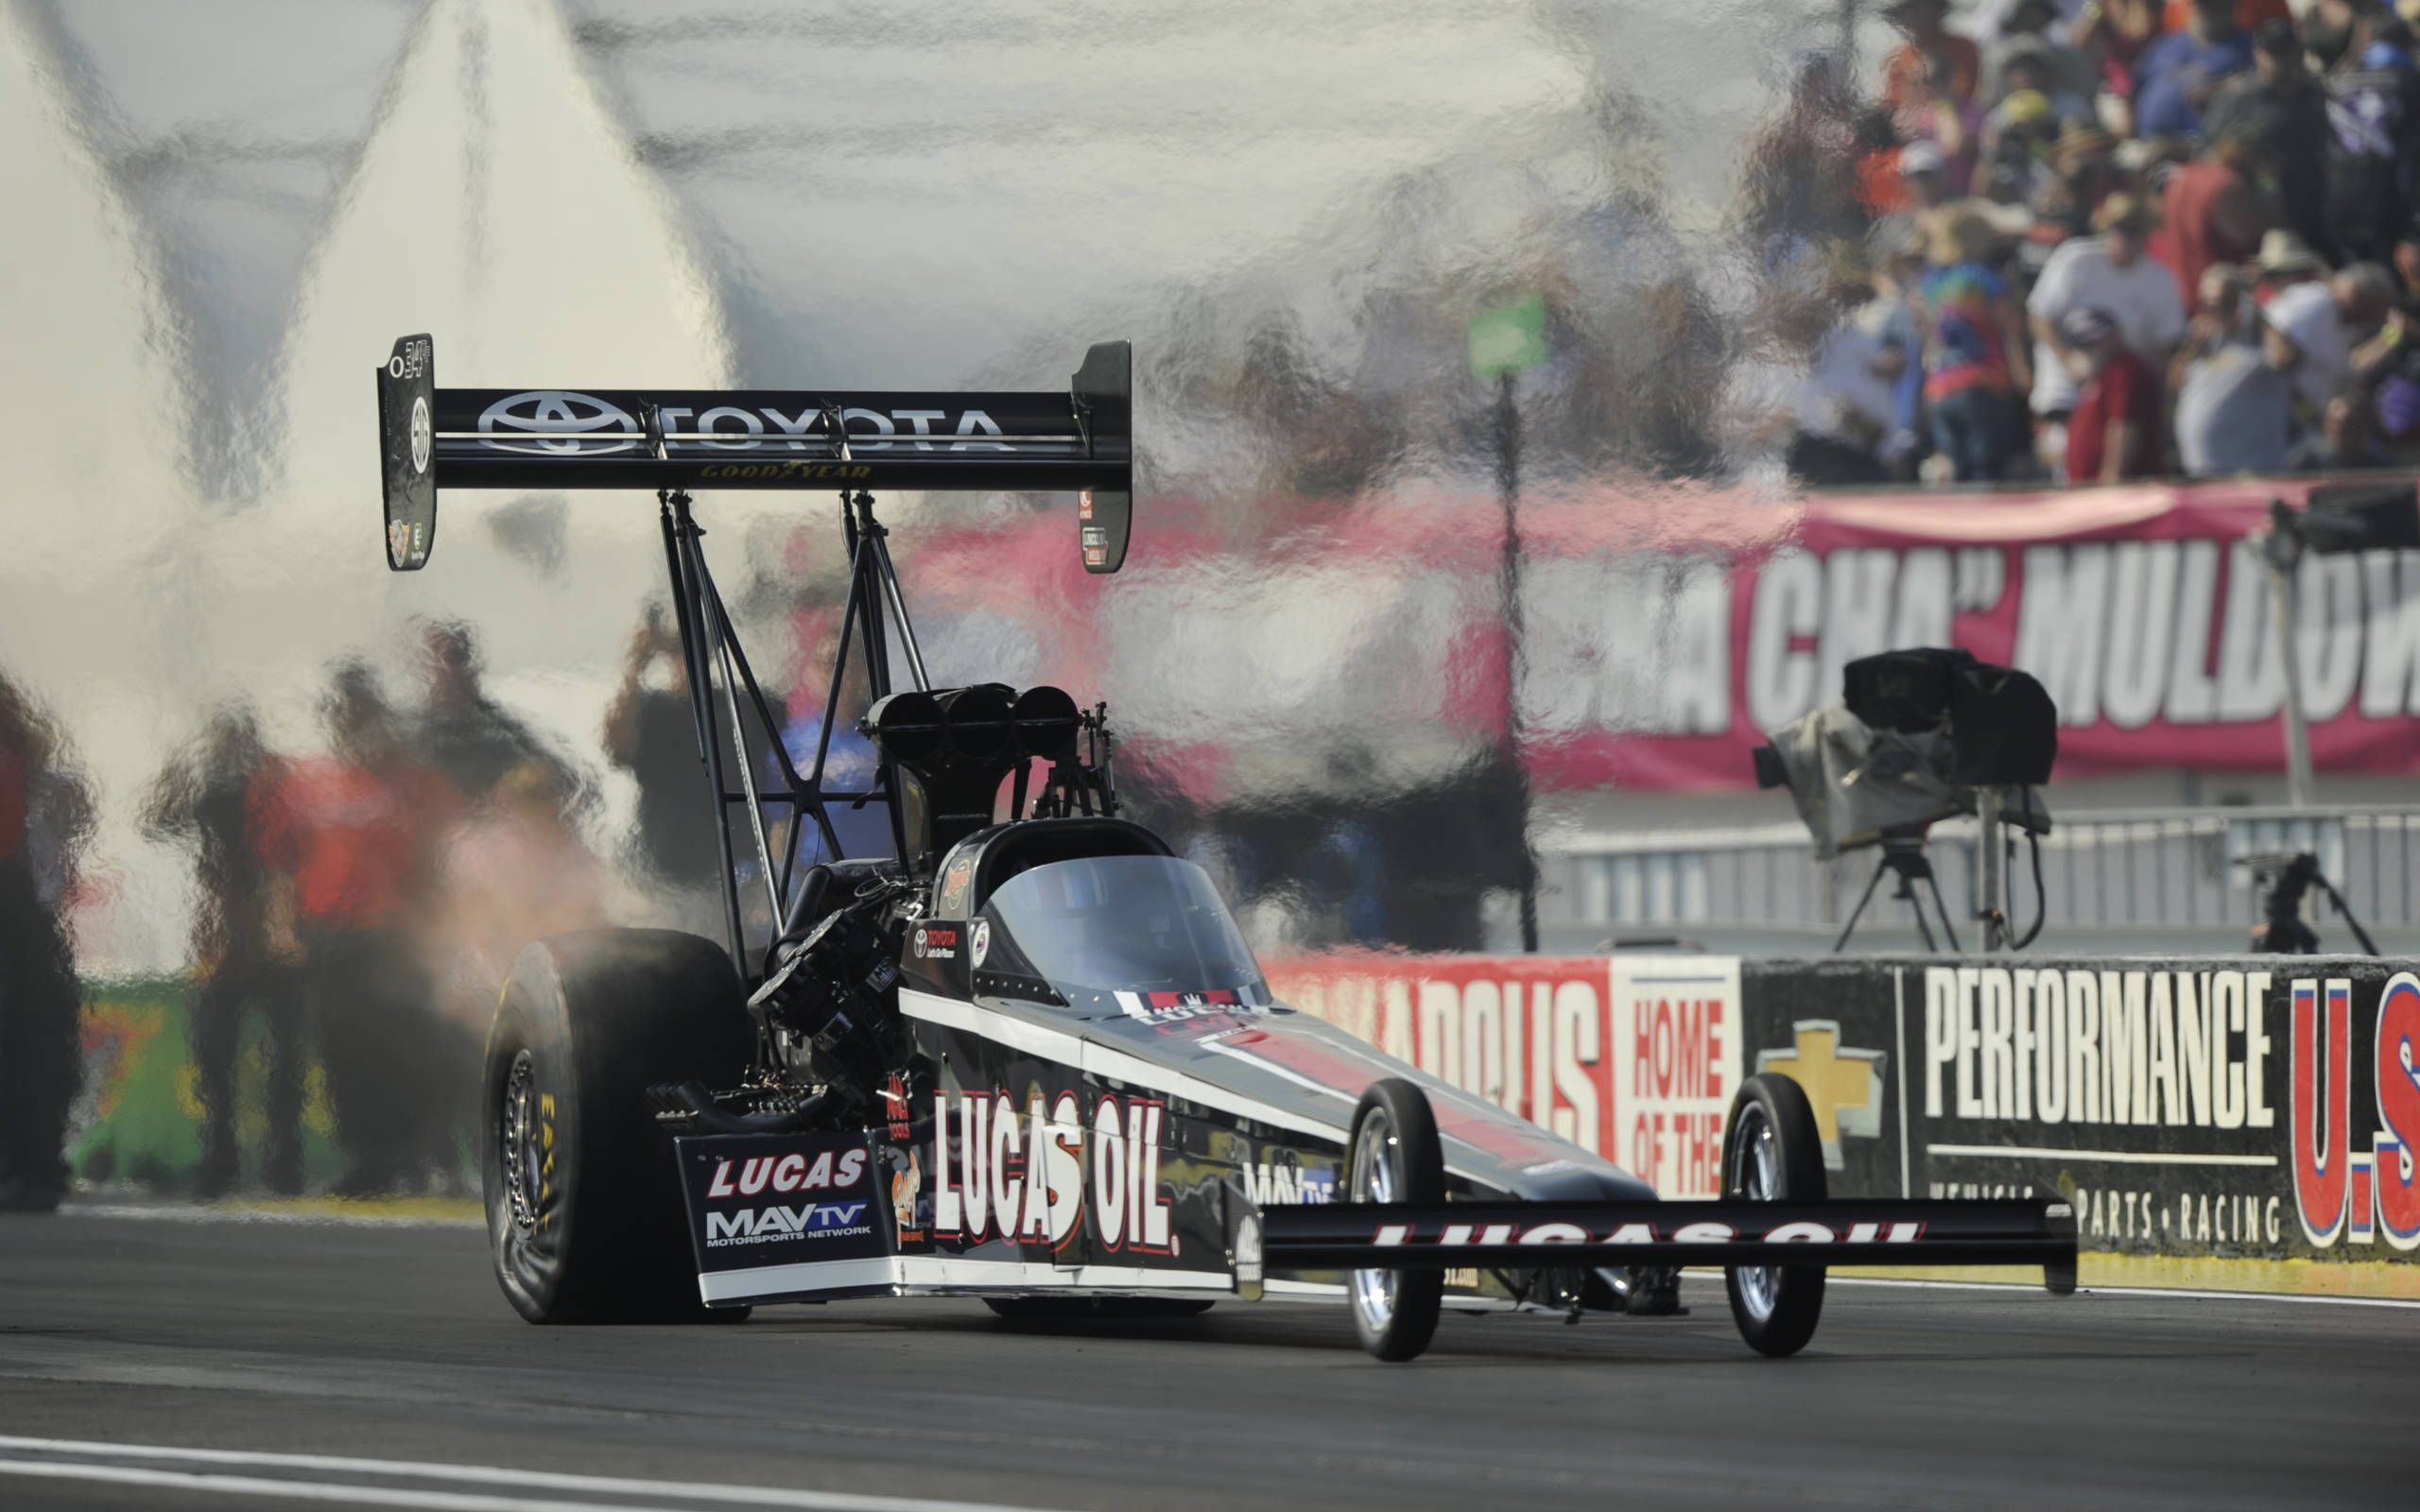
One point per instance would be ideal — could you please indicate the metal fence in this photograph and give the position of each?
(2131, 868)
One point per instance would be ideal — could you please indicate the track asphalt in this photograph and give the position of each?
(351, 1343)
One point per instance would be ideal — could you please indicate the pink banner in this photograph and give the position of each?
(1667, 628)
(2145, 611)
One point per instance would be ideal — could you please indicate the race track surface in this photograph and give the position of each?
(391, 1343)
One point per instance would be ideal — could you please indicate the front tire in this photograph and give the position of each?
(1771, 1152)
(1395, 1156)
(585, 1220)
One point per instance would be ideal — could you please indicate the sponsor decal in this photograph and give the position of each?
(398, 540)
(734, 428)
(895, 1107)
(793, 471)
(1247, 1260)
(1843, 1086)
(424, 434)
(938, 942)
(1696, 1233)
(2342, 1193)
(1216, 1009)
(909, 1205)
(951, 901)
(826, 1171)
(1286, 1184)
(587, 425)
(979, 943)
(752, 1196)
(580, 424)
(1032, 1174)
(775, 1223)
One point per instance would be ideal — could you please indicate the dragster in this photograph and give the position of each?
(1017, 1049)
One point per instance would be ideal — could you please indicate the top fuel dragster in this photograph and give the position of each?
(1015, 1049)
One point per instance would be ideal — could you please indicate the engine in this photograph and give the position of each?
(830, 1010)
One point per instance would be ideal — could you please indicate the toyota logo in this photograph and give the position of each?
(424, 434)
(560, 412)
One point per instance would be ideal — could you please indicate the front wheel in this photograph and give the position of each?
(1772, 1153)
(1395, 1156)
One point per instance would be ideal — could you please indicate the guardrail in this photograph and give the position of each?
(2151, 868)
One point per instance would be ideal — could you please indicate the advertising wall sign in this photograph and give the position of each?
(2249, 1106)
(2226, 1105)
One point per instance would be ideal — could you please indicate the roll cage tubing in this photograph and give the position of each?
(620, 439)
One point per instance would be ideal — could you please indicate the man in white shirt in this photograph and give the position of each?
(2109, 272)
(2312, 330)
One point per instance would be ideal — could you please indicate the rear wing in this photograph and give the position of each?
(755, 438)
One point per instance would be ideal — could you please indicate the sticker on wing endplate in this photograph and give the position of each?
(424, 433)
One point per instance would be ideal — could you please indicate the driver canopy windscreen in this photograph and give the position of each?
(1123, 923)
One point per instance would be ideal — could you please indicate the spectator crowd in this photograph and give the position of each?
(2097, 240)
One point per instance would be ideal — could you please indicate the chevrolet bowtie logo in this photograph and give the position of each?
(1843, 1086)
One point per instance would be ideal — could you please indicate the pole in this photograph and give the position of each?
(2281, 600)
(1508, 484)
(1992, 869)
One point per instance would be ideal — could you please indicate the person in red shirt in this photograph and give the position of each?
(2250, 14)
(205, 800)
(2211, 210)
(350, 838)
(44, 818)
(2114, 435)
(1911, 65)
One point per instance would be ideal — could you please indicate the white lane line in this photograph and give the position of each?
(204, 1213)
(2025, 1152)
(12, 1447)
(2184, 1294)
(224, 1484)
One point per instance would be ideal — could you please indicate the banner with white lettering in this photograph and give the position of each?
(1668, 632)
(1633, 1057)
(2147, 613)
(2261, 1106)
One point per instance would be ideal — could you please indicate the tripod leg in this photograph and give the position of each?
(1916, 905)
(2346, 914)
(1863, 898)
(1946, 927)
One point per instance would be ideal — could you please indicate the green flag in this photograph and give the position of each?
(1509, 338)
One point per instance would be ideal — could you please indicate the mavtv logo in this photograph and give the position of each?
(757, 1226)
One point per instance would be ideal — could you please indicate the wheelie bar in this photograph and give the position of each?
(1837, 1231)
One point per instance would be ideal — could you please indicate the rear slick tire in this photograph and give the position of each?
(1771, 1152)
(586, 1218)
(1395, 1156)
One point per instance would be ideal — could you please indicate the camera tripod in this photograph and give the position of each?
(1903, 856)
(2283, 931)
